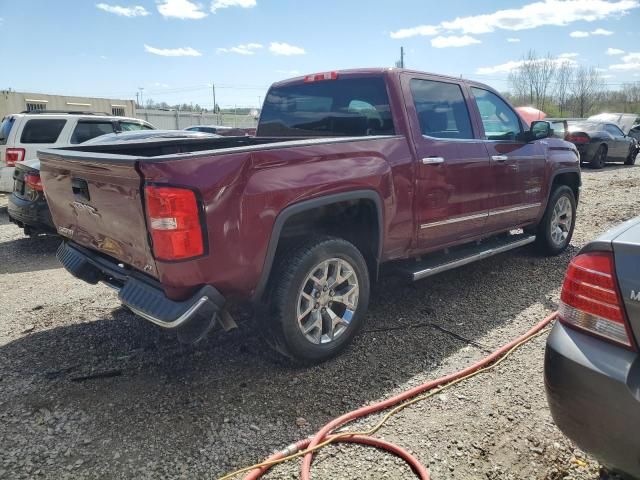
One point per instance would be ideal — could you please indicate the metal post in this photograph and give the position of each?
(401, 57)
(213, 90)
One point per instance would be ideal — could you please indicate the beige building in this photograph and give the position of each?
(16, 102)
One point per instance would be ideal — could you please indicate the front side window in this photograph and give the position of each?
(337, 107)
(42, 131)
(441, 108)
(615, 131)
(87, 130)
(499, 120)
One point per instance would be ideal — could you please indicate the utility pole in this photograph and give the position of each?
(137, 99)
(401, 57)
(213, 90)
(141, 96)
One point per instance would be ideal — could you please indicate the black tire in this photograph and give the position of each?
(290, 278)
(599, 158)
(631, 158)
(544, 237)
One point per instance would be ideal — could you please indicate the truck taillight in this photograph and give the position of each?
(34, 181)
(590, 298)
(174, 222)
(317, 77)
(13, 156)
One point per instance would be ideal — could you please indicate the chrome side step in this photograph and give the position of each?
(440, 262)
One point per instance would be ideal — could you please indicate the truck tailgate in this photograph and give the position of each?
(97, 202)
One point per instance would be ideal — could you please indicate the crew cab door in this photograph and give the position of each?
(620, 142)
(517, 167)
(452, 172)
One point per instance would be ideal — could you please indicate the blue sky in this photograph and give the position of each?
(175, 48)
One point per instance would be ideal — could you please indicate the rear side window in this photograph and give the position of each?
(133, 126)
(87, 130)
(42, 131)
(5, 129)
(342, 107)
(499, 120)
(441, 108)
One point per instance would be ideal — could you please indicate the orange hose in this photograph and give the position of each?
(324, 433)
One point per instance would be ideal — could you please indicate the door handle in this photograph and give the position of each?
(432, 160)
(499, 158)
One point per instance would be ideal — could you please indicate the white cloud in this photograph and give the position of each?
(632, 57)
(183, 9)
(134, 11)
(160, 84)
(247, 49)
(607, 76)
(600, 69)
(568, 55)
(601, 31)
(173, 52)
(514, 64)
(281, 48)
(532, 15)
(422, 30)
(631, 63)
(218, 4)
(579, 34)
(513, 40)
(453, 41)
(614, 51)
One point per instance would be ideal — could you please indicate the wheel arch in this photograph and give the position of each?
(307, 207)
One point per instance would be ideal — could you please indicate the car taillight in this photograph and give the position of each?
(578, 138)
(174, 222)
(590, 298)
(13, 156)
(34, 181)
(317, 77)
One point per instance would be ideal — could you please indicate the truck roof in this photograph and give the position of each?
(378, 71)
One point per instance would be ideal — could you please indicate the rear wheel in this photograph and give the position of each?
(320, 297)
(556, 228)
(599, 159)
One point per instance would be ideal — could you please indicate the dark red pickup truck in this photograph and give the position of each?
(348, 170)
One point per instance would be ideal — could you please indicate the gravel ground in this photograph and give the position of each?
(158, 409)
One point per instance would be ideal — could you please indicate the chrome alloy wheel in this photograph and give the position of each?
(561, 219)
(327, 301)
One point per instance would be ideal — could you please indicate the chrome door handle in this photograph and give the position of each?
(499, 158)
(432, 160)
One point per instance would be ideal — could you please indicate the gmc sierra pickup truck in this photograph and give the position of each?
(348, 170)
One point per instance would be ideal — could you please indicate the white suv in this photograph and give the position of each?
(23, 134)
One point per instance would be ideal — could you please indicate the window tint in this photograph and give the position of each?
(442, 111)
(499, 120)
(613, 130)
(131, 126)
(5, 129)
(87, 130)
(349, 107)
(42, 131)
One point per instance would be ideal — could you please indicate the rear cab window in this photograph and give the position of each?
(86, 130)
(42, 130)
(5, 129)
(339, 107)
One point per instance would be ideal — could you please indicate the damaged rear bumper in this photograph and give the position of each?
(142, 295)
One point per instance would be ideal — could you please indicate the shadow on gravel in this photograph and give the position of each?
(29, 254)
(229, 401)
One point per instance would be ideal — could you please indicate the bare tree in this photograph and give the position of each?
(564, 79)
(532, 79)
(586, 88)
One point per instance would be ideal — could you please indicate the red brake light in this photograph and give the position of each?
(174, 222)
(34, 181)
(578, 138)
(316, 77)
(590, 300)
(14, 155)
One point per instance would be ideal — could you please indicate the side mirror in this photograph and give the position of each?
(539, 130)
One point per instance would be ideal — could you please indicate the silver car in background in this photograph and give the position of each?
(592, 363)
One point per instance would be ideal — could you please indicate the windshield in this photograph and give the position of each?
(350, 107)
(5, 128)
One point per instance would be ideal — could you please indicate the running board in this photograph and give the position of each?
(441, 261)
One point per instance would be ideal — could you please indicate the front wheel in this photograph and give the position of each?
(320, 297)
(631, 158)
(556, 228)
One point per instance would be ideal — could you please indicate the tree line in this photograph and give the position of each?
(561, 88)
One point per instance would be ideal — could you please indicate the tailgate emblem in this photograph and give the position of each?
(67, 232)
(86, 208)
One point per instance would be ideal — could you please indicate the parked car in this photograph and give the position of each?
(591, 362)
(28, 205)
(22, 134)
(219, 130)
(349, 170)
(635, 132)
(623, 120)
(599, 143)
